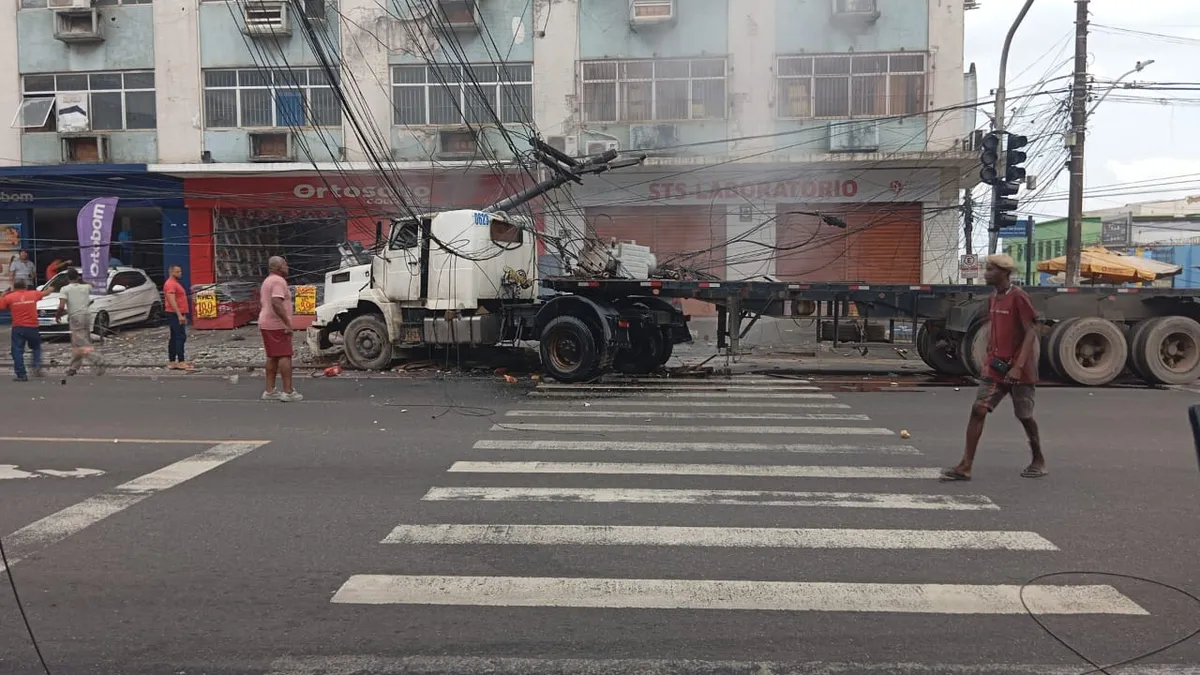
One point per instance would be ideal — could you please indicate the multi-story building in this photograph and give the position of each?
(233, 129)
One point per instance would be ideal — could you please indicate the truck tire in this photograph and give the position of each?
(1091, 351)
(1053, 340)
(569, 351)
(668, 348)
(1170, 347)
(940, 350)
(1137, 348)
(972, 351)
(367, 344)
(644, 356)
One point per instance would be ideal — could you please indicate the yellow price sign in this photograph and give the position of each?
(206, 305)
(306, 300)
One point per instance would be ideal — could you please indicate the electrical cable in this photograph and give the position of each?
(12, 583)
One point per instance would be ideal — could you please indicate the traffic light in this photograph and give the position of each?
(1014, 157)
(1004, 205)
(988, 158)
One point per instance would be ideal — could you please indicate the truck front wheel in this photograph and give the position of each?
(367, 344)
(569, 351)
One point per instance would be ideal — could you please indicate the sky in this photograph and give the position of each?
(1137, 141)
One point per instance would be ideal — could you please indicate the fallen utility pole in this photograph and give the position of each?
(993, 230)
(1075, 141)
(968, 207)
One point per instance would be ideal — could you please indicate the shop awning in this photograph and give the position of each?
(1100, 264)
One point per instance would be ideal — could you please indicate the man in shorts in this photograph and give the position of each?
(75, 298)
(1011, 367)
(275, 324)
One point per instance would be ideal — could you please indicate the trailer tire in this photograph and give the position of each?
(943, 361)
(1137, 349)
(367, 344)
(569, 351)
(1091, 351)
(972, 350)
(1053, 341)
(668, 347)
(1170, 350)
(645, 356)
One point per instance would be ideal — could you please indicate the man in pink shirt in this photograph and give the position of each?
(275, 324)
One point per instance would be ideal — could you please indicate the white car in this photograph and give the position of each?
(131, 298)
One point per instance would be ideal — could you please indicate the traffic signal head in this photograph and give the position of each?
(1004, 205)
(988, 156)
(1013, 158)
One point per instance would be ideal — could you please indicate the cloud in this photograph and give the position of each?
(1155, 169)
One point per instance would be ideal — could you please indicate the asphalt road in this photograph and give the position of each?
(462, 526)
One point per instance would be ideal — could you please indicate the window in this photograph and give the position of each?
(127, 279)
(41, 4)
(270, 98)
(853, 85)
(455, 94)
(1058, 247)
(505, 233)
(116, 101)
(407, 235)
(647, 91)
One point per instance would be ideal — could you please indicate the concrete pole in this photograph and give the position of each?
(1075, 140)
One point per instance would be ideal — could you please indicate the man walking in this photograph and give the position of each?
(275, 324)
(22, 301)
(1011, 368)
(22, 269)
(75, 298)
(176, 301)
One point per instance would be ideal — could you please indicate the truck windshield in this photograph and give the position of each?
(505, 233)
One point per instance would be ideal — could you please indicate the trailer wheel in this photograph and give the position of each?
(1053, 341)
(1170, 347)
(1091, 351)
(668, 348)
(972, 351)
(940, 350)
(569, 351)
(366, 343)
(1137, 349)
(644, 356)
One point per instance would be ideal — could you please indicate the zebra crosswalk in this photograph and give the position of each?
(678, 455)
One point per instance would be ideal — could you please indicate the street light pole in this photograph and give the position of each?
(1075, 140)
(1141, 65)
(993, 234)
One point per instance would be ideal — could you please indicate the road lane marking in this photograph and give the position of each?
(666, 388)
(58, 526)
(755, 470)
(675, 394)
(674, 429)
(717, 537)
(672, 415)
(606, 403)
(736, 379)
(140, 441)
(787, 596)
(871, 500)
(666, 446)
(11, 471)
(467, 665)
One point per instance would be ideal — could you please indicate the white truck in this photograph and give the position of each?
(470, 277)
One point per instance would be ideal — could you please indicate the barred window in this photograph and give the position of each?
(41, 4)
(448, 95)
(115, 101)
(270, 98)
(851, 85)
(648, 91)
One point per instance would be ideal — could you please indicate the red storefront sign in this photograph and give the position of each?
(364, 198)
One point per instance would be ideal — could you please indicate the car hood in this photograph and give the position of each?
(51, 301)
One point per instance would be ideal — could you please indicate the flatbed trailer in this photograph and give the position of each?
(1090, 335)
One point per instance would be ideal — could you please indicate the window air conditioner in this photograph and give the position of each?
(271, 146)
(266, 17)
(650, 12)
(457, 15)
(69, 4)
(568, 145)
(84, 148)
(854, 136)
(600, 147)
(457, 144)
(78, 25)
(651, 137)
(856, 10)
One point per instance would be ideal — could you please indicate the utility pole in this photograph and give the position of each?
(993, 233)
(968, 206)
(1075, 141)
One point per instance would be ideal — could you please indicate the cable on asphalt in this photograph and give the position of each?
(1097, 668)
(21, 607)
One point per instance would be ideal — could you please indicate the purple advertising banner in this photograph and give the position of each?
(95, 223)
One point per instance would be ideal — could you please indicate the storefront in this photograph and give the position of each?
(39, 207)
(238, 222)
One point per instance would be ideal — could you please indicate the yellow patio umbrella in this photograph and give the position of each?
(1100, 264)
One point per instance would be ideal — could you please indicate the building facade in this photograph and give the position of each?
(289, 125)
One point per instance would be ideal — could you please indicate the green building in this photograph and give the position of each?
(1049, 241)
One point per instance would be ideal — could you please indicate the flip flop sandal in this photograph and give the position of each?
(954, 475)
(1034, 473)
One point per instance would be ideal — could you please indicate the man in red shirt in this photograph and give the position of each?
(1011, 367)
(175, 301)
(23, 301)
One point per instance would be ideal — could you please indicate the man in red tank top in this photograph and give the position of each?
(1011, 367)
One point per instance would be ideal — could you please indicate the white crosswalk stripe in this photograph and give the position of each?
(524, 465)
